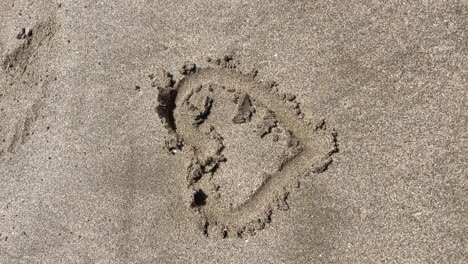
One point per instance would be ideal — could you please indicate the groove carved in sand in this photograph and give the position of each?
(224, 116)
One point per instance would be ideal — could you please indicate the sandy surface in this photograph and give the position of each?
(374, 168)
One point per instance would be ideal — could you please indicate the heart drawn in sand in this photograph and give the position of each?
(250, 144)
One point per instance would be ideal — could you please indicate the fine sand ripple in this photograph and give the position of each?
(250, 144)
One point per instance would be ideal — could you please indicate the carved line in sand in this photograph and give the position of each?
(310, 144)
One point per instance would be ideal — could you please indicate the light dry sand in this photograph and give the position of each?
(85, 175)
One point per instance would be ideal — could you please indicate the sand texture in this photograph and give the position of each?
(233, 131)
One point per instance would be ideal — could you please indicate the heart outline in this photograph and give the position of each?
(318, 143)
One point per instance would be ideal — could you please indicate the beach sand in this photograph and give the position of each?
(233, 131)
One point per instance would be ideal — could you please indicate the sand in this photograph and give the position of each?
(233, 132)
